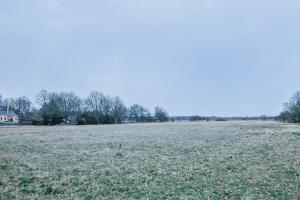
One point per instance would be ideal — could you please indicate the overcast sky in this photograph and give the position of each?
(206, 57)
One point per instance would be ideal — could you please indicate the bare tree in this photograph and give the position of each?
(161, 114)
(8, 104)
(97, 105)
(1, 102)
(43, 97)
(68, 103)
(22, 106)
(4, 102)
(138, 113)
(119, 110)
(103, 109)
(107, 106)
(94, 102)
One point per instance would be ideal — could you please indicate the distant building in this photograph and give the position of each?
(9, 117)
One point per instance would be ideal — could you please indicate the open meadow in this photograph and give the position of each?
(201, 160)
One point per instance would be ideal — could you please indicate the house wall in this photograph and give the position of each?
(4, 118)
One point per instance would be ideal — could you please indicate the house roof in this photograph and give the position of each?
(9, 113)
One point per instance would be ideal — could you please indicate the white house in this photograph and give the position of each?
(8, 117)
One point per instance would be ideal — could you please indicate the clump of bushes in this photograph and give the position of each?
(291, 112)
(198, 118)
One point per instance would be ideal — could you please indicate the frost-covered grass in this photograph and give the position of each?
(207, 160)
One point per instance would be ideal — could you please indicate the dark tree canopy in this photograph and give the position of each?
(51, 114)
(198, 118)
(291, 112)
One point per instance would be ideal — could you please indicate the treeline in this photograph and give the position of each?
(291, 112)
(68, 108)
(198, 118)
(214, 118)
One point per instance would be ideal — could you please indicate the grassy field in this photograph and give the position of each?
(207, 160)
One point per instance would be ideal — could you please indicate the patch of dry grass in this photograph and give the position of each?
(207, 160)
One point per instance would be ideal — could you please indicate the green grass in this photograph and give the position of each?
(3, 167)
(207, 160)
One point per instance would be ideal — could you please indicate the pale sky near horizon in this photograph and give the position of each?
(205, 57)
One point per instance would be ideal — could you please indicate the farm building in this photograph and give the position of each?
(8, 117)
